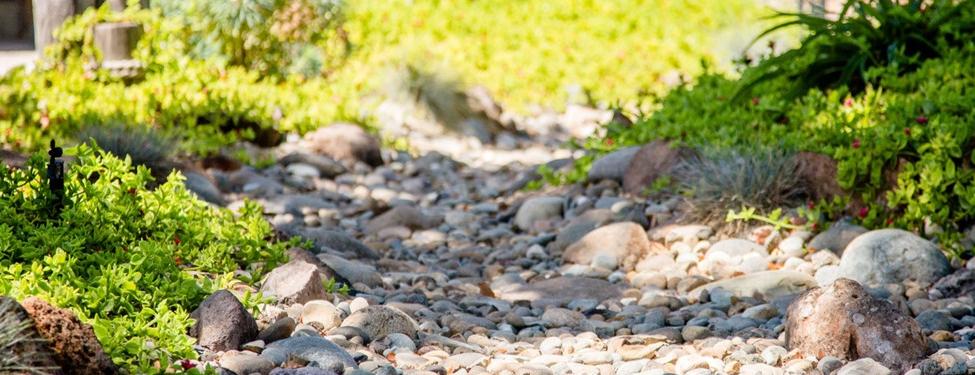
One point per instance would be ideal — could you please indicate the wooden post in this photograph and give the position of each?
(48, 16)
(117, 40)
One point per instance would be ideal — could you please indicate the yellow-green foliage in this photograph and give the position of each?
(527, 51)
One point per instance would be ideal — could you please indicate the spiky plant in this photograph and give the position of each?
(718, 181)
(146, 146)
(19, 346)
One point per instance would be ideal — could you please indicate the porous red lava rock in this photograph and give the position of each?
(844, 321)
(76, 349)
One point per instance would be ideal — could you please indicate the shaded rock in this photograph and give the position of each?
(294, 282)
(837, 237)
(345, 142)
(352, 271)
(326, 166)
(337, 240)
(766, 284)
(538, 208)
(958, 284)
(890, 256)
(624, 243)
(317, 351)
(559, 291)
(651, 161)
(406, 216)
(817, 173)
(32, 350)
(222, 322)
(612, 166)
(247, 181)
(203, 188)
(76, 349)
(579, 226)
(934, 320)
(845, 321)
(244, 363)
(278, 330)
(379, 321)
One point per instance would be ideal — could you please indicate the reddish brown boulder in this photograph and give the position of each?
(844, 321)
(345, 142)
(76, 349)
(654, 160)
(29, 350)
(817, 172)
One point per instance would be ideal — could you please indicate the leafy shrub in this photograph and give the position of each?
(261, 35)
(128, 260)
(903, 147)
(898, 35)
(723, 180)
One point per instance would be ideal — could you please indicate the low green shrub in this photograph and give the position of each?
(903, 147)
(866, 34)
(130, 261)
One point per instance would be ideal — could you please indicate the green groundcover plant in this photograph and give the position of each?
(130, 261)
(903, 142)
(217, 72)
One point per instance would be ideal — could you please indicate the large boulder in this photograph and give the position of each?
(845, 321)
(222, 322)
(538, 208)
(624, 243)
(294, 282)
(76, 349)
(612, 166)
(766, 284)
(891, 256)
(379, 321)
(652, 161)
(345, 142)
(316, 351)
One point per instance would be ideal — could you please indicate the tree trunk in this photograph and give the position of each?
(117, 40)
(48, 16)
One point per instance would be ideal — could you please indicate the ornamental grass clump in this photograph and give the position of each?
(719, 181)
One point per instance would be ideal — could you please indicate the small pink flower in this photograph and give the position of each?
(186, 364)
(756, 100)
(907, 132)
(856, 143)
(921, 119)
(848, 102)
(863, 212)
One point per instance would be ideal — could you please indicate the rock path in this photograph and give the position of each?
(454, 269)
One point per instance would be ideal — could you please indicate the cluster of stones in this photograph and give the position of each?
(455, 269)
